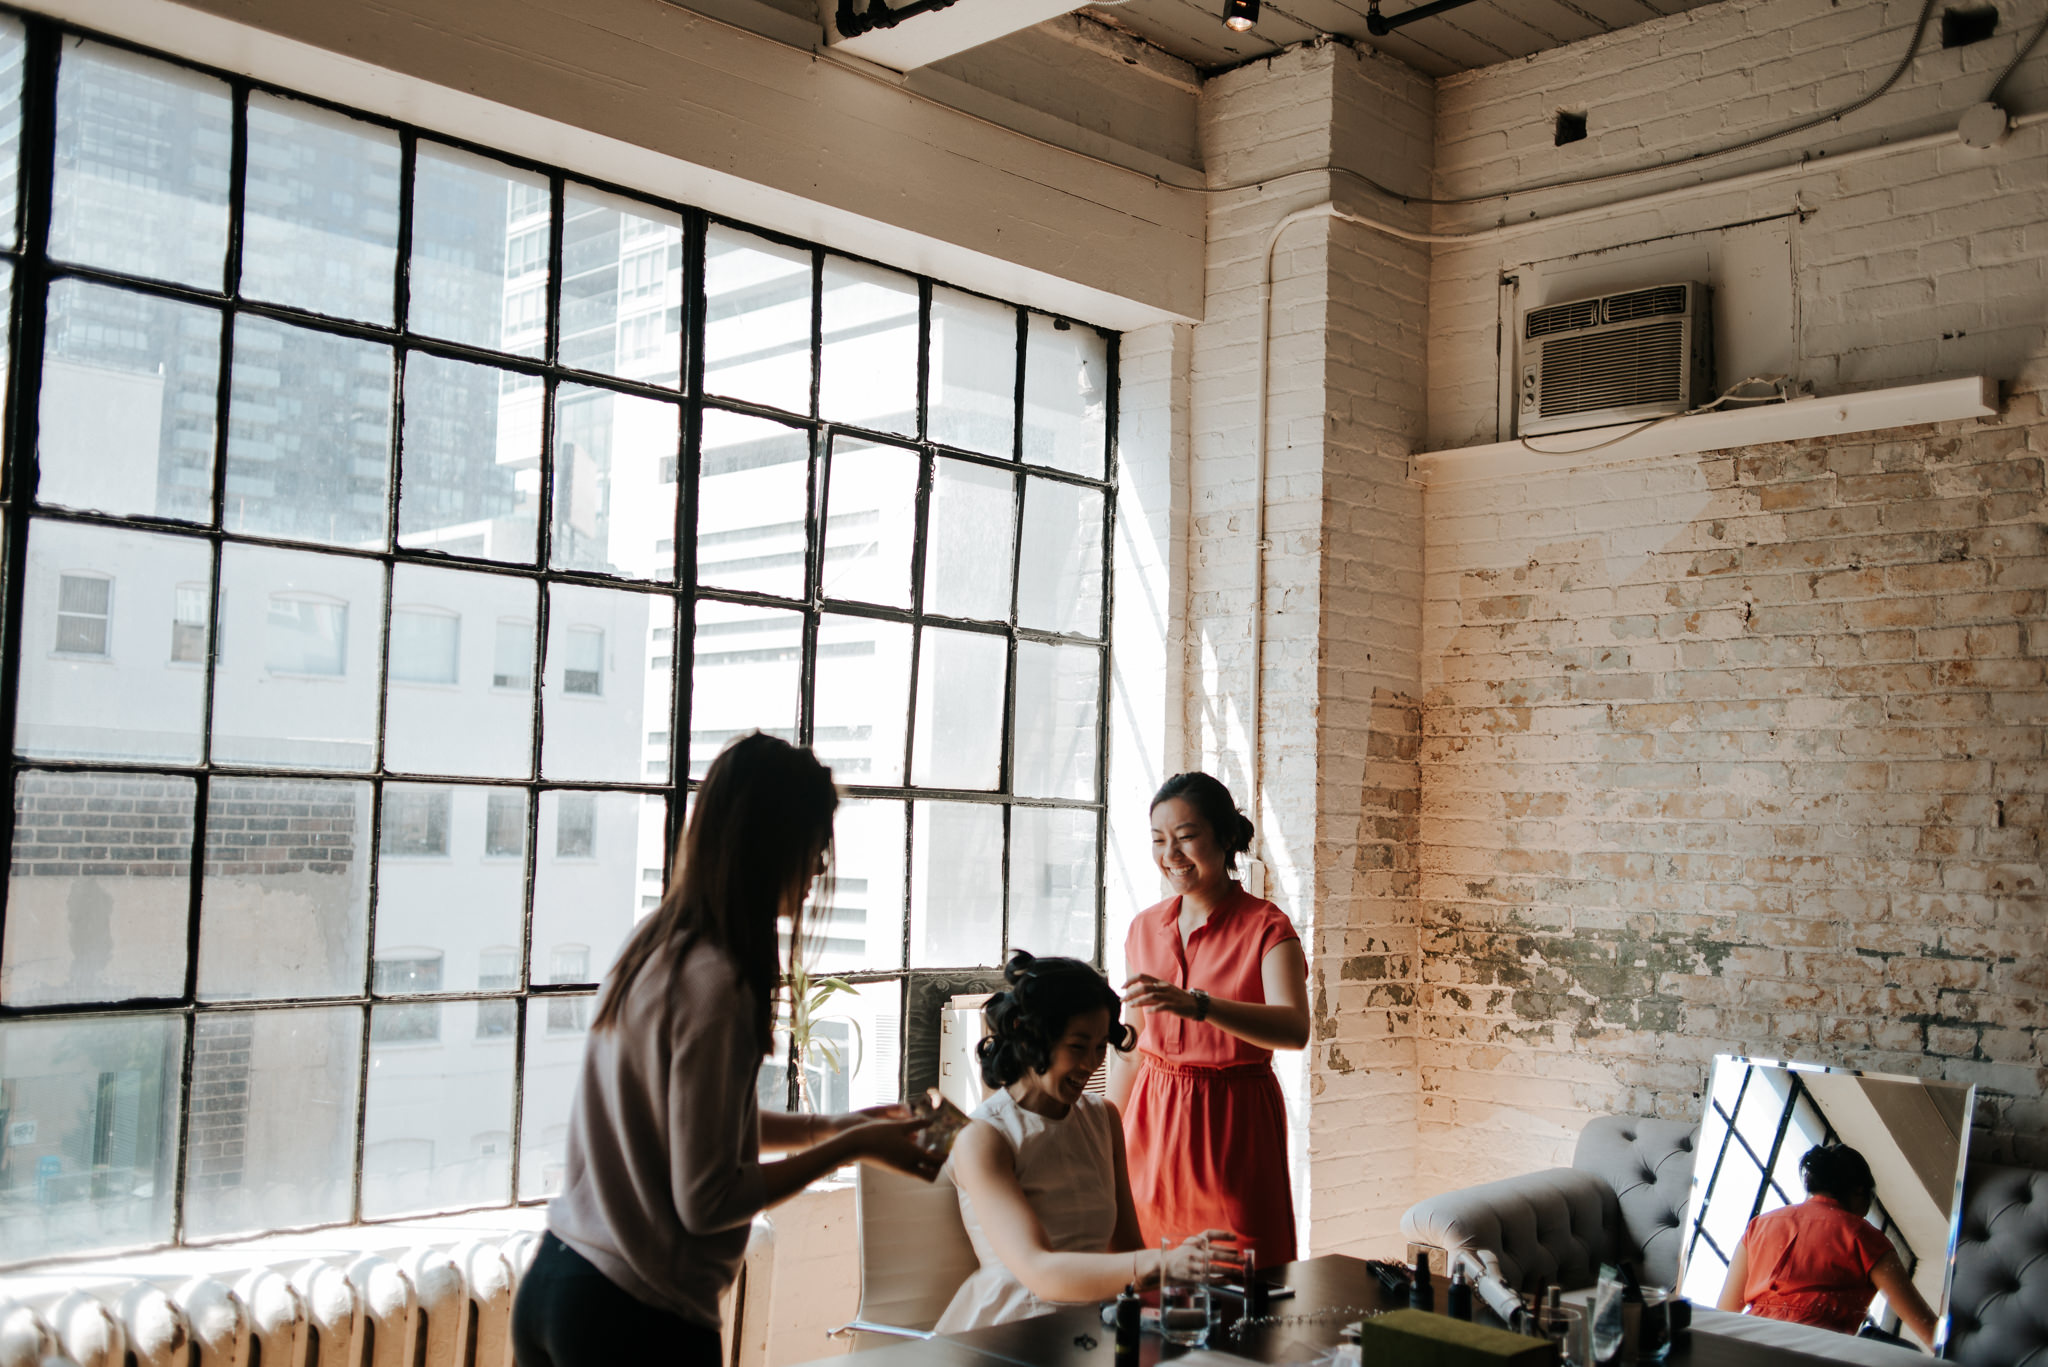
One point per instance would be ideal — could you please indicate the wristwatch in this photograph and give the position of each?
(1201, 1004)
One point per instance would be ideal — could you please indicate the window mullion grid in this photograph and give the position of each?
(1102, 698)
(27, 324)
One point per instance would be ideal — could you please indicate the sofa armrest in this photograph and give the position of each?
(1547, 1227)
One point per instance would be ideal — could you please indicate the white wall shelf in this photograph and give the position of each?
(1868, 410)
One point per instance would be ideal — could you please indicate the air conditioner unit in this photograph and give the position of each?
(1628, 357)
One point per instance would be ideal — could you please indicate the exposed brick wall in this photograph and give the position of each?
(101, 826)
(263, 827)
(1743, 752)
(218, 1142)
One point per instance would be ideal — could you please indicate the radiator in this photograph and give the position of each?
(432, 1306)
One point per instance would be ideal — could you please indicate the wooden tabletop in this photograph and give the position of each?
(1330, 1292)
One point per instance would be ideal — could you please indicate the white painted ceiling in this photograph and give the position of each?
(1475, 35)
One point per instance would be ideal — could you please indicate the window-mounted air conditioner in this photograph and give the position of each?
(1627, 357)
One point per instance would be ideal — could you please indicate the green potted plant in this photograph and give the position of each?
(803, 1013)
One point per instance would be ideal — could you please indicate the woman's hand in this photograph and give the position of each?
(1148, 993)
(850, 1119)
(1210, 1256)
(891, 1144)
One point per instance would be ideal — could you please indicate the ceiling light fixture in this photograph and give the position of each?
(1240, 15)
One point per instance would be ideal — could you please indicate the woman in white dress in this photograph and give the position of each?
(1044, 1190)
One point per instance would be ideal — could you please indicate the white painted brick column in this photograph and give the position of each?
(1342, 619)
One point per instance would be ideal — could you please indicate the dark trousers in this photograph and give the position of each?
(569, 1314)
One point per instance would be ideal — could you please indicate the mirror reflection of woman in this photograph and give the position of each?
(1821, 1262)
(1218, 982)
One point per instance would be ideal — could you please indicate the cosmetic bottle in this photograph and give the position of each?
(1458, 1296)
(1421, 1291)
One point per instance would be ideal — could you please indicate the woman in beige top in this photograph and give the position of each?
(664, 1170)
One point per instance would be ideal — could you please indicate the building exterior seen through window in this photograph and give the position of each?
(395, 532)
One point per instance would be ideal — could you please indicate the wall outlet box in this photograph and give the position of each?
(1417, 1338)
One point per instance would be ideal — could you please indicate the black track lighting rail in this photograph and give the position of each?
(1379, 25)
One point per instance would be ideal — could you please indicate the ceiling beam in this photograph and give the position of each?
(934, 35)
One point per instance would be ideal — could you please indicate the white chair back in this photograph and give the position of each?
(914, 1251)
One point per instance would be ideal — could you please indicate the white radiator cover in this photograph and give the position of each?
(437, 1303)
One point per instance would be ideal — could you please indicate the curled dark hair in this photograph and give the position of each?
(1836, 1170)
(1025, 1022)
(1214, 804)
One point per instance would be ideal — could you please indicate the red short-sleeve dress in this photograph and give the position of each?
(1812, 1263)
(1205, 1127)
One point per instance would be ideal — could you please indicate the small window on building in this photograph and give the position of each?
(569, 964)
(575, 826)
(426, 645)
(415, 821)
(505, 825)
(84, 602)
(497, 971)
(306, 636)
(403, 975)
(188, 625)
(512, 655)
(583, 661)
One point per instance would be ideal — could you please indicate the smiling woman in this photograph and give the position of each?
(1044, 1190)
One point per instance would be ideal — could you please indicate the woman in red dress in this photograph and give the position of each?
(1218, 981)
(1821, 1262)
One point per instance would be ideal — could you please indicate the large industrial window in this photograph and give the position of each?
(395, 531)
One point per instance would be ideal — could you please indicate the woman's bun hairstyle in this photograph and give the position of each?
(1836, 1170)
(1027, 1020)
(1213, 802)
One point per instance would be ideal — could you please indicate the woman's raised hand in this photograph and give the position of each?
(1156, 994)
(1210, 1256)
(892, 1144)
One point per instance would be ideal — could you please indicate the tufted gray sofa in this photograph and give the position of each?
(1624, 1196)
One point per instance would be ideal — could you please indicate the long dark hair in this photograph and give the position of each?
(1027, 1020)
(756, 832)
(1214, 804)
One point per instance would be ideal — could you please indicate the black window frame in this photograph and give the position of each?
(34, 271)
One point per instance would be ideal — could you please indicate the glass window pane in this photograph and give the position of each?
(970, 533)
(92, 1133)
(554, 1059)
(437, 1122)
(615, 483)
(860, 925)
(586, 879)
(856, 1055)
(320, 226)
(1059, 567)
(757, 320)
(973, 373)
(861, 698)
(622, 287)
(751, 497)
(273, 1119)
(103, 674)
(142, 166)
(283, 910)
(959, 736)
(1052, 881)
(1066, 396)
(309, 435)
(870, 522)
(745, 678)
(13, 48)
(296, 682)
(956, 885)
(461, 692)
(98, 894)
(127, 405)
(607, 685)
(1053, 742)
(470, 466)
(451, 886)
(869, 365)
(479, 270)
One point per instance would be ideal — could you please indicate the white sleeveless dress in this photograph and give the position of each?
(1067, 1169)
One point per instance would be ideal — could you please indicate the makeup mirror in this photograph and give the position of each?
(1761, 1118)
